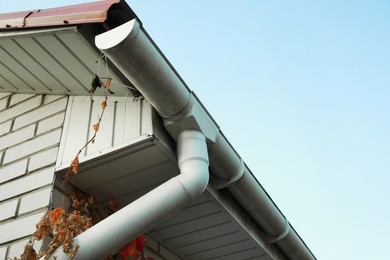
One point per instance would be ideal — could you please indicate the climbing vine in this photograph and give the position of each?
(60, 225)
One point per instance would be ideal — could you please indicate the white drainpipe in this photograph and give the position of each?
(133, 52)
(126, 224)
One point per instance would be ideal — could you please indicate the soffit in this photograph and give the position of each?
(202, 230)
(52, 61)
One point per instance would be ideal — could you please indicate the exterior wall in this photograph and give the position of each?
(30, 132)
(31, 129)
(124, 121)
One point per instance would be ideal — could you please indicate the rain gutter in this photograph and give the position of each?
(133, 52)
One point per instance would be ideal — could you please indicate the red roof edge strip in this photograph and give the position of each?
(95, 12)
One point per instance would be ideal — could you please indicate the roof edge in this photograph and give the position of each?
(93, 12)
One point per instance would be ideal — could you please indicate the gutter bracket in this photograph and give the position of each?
(282, 235)
(192, 116)
(219, 183)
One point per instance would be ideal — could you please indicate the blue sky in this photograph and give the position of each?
(301, 89)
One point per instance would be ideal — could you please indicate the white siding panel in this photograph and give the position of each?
(20, 108)
(25, 184)
(50, 123)
(5, 127)
(104, 136)
(3, 252)
(2, 95)
(119, 127)
(8, 209)
(76, 129)
(43, 159)
(35, 200)
(19, 97)
(121, 123)
(27, 163)
(40, 113)
(13, 170)
(17, 137)
(19, 228)
(133, 119)
(51, 98)
(32, 146)
(3, 103)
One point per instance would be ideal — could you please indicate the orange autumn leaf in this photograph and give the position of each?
(96, 127)
(75, 165)
(104, 105)
(55, 215)
(107, 83)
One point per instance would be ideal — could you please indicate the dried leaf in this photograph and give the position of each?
(75, 165)
(55, 215)
(107, 83)
(29, 253)
(114, 205)
(43, 228)
(96, 127)
(73, 252)
(104, 105)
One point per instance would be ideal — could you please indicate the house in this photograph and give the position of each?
(158, 150)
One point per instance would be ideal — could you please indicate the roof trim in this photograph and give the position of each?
(94, 12)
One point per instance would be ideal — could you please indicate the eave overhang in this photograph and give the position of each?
(51, 26)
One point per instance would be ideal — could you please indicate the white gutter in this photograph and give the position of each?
(131, 50)
(123, 226)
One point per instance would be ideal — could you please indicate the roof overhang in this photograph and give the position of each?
(52, 52)
(50, 56)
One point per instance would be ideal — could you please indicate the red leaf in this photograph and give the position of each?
(134, 249)
(141, 242)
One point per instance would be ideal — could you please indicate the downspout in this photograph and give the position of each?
(132, 51)
(123, 226)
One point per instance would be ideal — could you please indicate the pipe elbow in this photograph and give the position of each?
(193, 162)
(194, 181)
